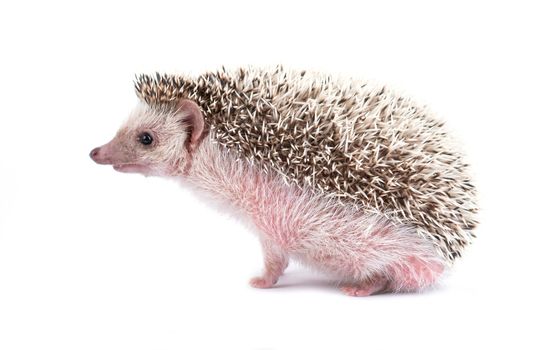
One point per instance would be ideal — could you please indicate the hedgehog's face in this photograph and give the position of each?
(152, 142)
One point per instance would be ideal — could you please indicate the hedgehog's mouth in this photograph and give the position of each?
(131, 168)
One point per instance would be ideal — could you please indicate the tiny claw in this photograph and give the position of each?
(262, 282)
(365, 289)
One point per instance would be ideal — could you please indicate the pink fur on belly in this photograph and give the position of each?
(364, 251)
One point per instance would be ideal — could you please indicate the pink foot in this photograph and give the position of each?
(364, 290)
(262, 282)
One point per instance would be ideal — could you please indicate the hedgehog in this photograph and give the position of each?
(347, 177)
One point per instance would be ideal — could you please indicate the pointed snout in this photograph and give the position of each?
(106, 154)
(94, 152)
(98, 155)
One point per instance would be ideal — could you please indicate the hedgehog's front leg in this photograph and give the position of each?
(276, 261)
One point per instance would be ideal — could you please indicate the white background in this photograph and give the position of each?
(94, 259)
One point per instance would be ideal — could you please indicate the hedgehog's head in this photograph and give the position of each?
(154, 140)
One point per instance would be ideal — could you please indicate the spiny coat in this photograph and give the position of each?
(361, 144)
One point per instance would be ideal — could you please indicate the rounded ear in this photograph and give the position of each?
(192, 116)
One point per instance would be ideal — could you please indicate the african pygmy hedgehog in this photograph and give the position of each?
(348, 178)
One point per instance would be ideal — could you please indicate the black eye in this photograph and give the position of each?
(145, 138)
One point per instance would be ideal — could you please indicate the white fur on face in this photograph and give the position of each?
(167, 154)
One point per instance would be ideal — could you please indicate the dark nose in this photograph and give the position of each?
(94, 153)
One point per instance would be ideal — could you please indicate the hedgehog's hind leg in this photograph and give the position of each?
(363, 289)
(413, 274)
(276, 261)
(401, 262)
